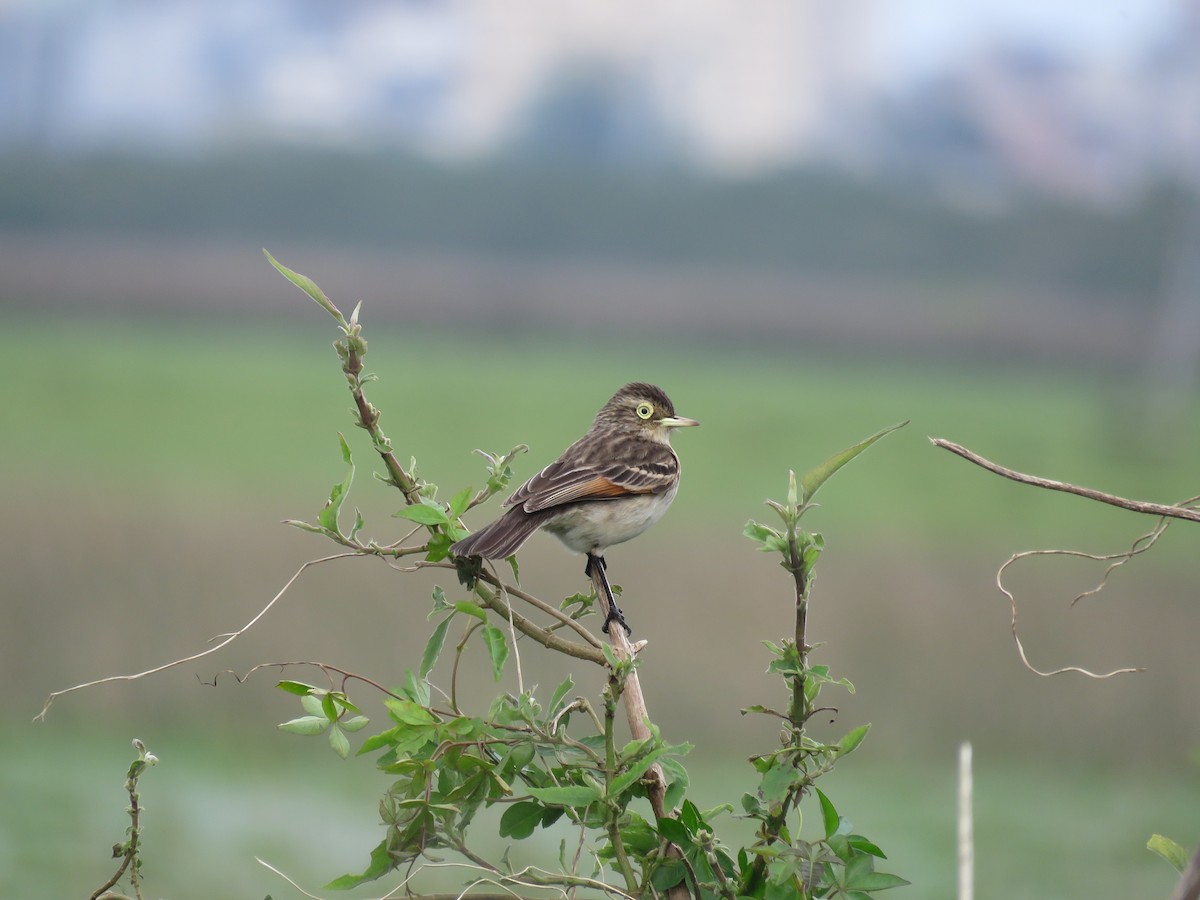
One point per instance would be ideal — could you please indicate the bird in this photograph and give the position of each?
(606, 488)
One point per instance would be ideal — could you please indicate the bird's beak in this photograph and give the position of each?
(677, 422)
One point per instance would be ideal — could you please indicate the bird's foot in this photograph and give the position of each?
(615, 615)
(593, 561)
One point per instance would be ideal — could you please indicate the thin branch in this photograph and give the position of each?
(1138, 506)
(1184, 510)
(638, 716)
(1141, 545)
(512, 633)
(633, 700)
(494, 580)
(225, 640)
(326, 668)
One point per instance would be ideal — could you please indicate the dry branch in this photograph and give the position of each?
(1143, 543)
(1138, 506)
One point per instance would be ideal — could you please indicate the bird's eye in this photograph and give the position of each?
(645, 410)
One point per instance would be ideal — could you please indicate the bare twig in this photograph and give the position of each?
(1183, 510)
(512, 634)
(537, 603)
(1141, 545)
(225, 640)
(1138, 506)
(326, 668)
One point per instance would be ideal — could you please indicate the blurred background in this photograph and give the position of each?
(806, 220)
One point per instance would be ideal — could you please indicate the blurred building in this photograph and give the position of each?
(723, 85)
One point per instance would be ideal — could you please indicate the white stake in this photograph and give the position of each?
(966, 838)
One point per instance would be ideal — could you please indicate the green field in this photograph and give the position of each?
(197, 411)
(146, 465)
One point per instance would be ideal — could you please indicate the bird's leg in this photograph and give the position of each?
(596, 567)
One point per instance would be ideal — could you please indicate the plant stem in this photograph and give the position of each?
(129, 852)
(612, 811)
(799, 711)
(492, 600)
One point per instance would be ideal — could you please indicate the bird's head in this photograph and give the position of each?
(642, 408)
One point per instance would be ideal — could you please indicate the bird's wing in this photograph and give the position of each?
(650, 469)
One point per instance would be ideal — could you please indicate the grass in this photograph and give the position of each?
(200, 411)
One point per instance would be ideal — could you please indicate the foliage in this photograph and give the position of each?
(560, 759)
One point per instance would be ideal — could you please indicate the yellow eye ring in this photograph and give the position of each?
(645, 410)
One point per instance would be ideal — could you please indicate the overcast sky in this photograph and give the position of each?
(929, 30)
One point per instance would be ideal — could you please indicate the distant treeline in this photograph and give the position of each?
(809, 220)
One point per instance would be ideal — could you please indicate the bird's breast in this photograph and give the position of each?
(595, 525)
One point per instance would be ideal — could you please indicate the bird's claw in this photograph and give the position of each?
(615, 615)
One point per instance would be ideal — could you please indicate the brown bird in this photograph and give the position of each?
(606, 488)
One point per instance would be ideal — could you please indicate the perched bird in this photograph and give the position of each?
(606, 488)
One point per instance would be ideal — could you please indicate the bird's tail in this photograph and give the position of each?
(503, 537)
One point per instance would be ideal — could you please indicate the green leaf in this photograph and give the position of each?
(343, 702)
(312, 703)
(460, 501)
(416, 689)
(381, 863)
(306, 526)
(675, 832)
(669, 874)
(858, 842)
(433, 647)
(776, 782)
(375, 741)
(768, 539)
(328, 707)
(339, 743)
(298, 688)
(405, 712)
(571, 795)
(497, 649)
(814, 478)
(874, 881)
(852, 739)
(423, 514)
(328, 516)
(829, 815)
(471, 609)
(438, 546)
(560, 693)
(354, 723)
(307, 285)
(439, 600)
(677, 782)
(1168, 850)
(520, 819)
(622, 783)
(305, 725)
